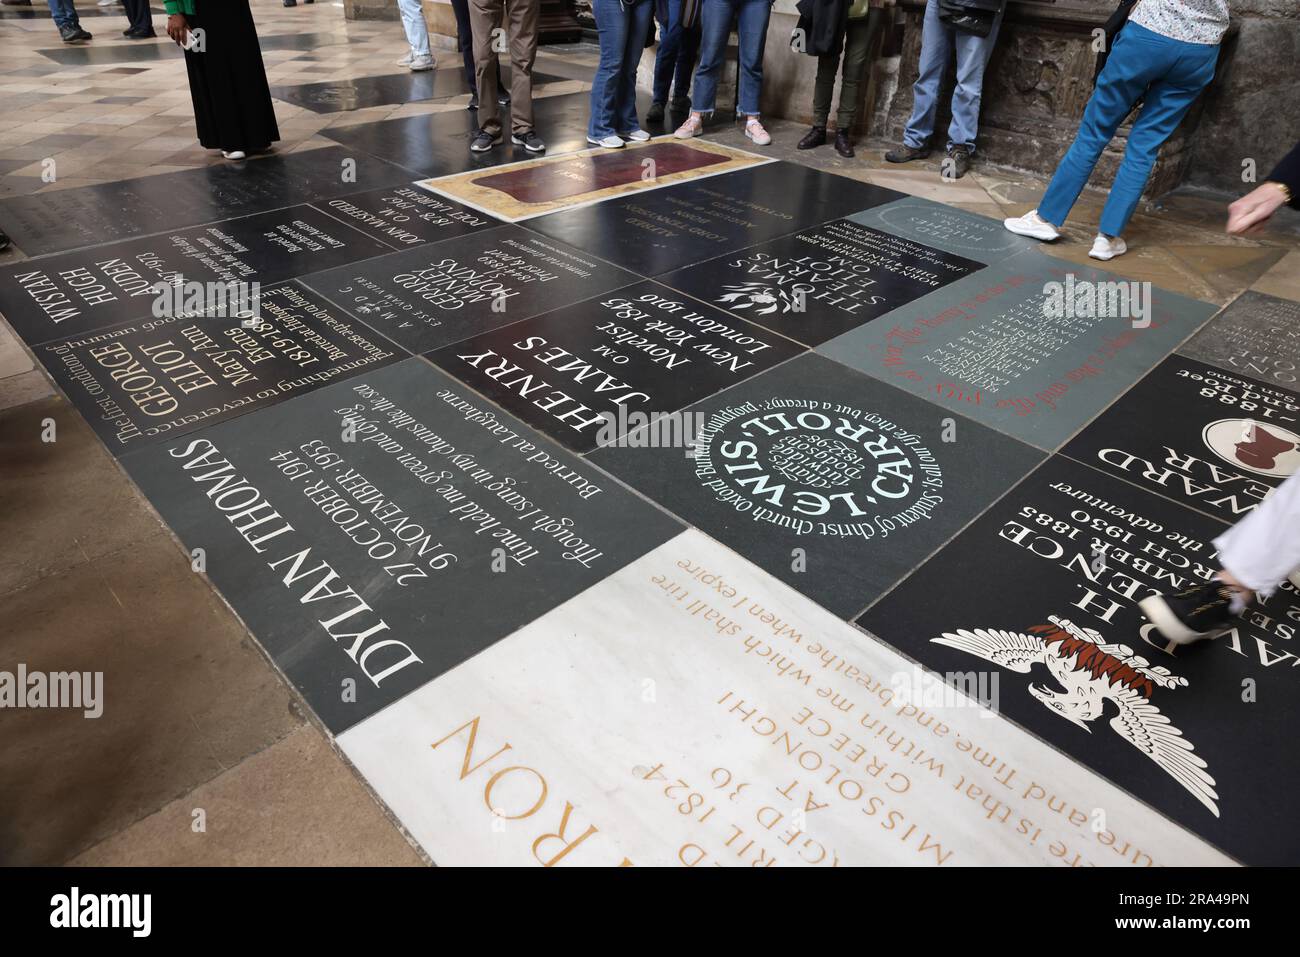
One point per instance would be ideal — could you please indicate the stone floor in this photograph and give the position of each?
(208, 754)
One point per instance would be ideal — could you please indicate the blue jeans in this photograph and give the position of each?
(64, 13)
(417, 31)
(623, 25)
(675, 58)
(938, 40)
(1171, 73)
(715, 27)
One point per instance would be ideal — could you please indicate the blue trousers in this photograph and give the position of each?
(417, 31)
(938, 41)
(751, 30)
(64, 13)
(675, 58)
(1167, 74)
(623, 25)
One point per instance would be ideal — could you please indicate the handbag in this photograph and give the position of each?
(858, 9)
(1111, 29)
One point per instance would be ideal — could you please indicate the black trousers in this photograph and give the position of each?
(137, 11)
(232, 101)
(465, 43)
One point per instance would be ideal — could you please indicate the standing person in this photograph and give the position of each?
(1164, 56)
(751, 29)
(232, 102)
(622, 25)
(938, 42)
(465, 44)
(141, 20)
(520, 19)
(859, 24)
(65, 18)
(679, 45)
(417, 36)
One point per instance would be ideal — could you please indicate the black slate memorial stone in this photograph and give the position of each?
(69, 294)
(591, 372)
(820, 283)
(664, 229)
(389, 559)
(403, 216)
(431, 296)
(159, 378)
(71, 218)
(1257, 336)
(945, 227)
(1198, 434)
(359, 93)
(437, 144)
(1033, 346)
(836, 484)
(99, 54)
(1024, 592)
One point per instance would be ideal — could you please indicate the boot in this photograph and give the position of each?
(813, 138)
(843, 145)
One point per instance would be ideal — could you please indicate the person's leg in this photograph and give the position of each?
(64, 13)
(1130, 68)
(484, 16)
(1166, 102)
(715, 26)
(612, 27)
(140, 17)
(417, 31)
(638, 23)
(687, 55)
(465, 41)
(859, 41)
(828, 65)
(936, 48)
(751, 31)
(1264, 547)
(973, 54)
(522, 16)
(670, 37)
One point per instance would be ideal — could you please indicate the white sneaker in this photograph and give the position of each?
(636, 136)
(406, 60)
(234, 154)
(1104, 248)
(610, 142)
(754, 130)
(419, 64)
(1033, 226)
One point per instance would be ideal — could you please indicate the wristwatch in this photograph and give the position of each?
(1287, 196)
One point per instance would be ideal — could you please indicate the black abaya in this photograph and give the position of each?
(232, 101)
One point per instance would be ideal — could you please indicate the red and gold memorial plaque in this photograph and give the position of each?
(522, 190)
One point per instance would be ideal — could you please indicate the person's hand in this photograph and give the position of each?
(1254, 208)
(178, 28)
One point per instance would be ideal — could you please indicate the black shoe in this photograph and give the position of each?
(4, 240)
(680, 104)
(71, 34)
(484, 141)
(291, 3)
(843, 145)
(957, 164)
(473, 102)
(655, 114)
(139, 35)
(529, 141)
(813, 138)
(905, 154)
(1199, 611)
(503, 99)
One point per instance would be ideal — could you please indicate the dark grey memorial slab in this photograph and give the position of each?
(437, 144)
(591, 372)
(368, 567)
(69, 294)
(432, 296)
(71, 218)
(945, 227)
(403, 216)
(155, 379)
(1197, 434)
(821, 282)
(833, 482)
(1257, 336)
(95, 54)
(39, 11)
(1197, 732)
(358, 93)
(657, 231)
(1013, 346)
